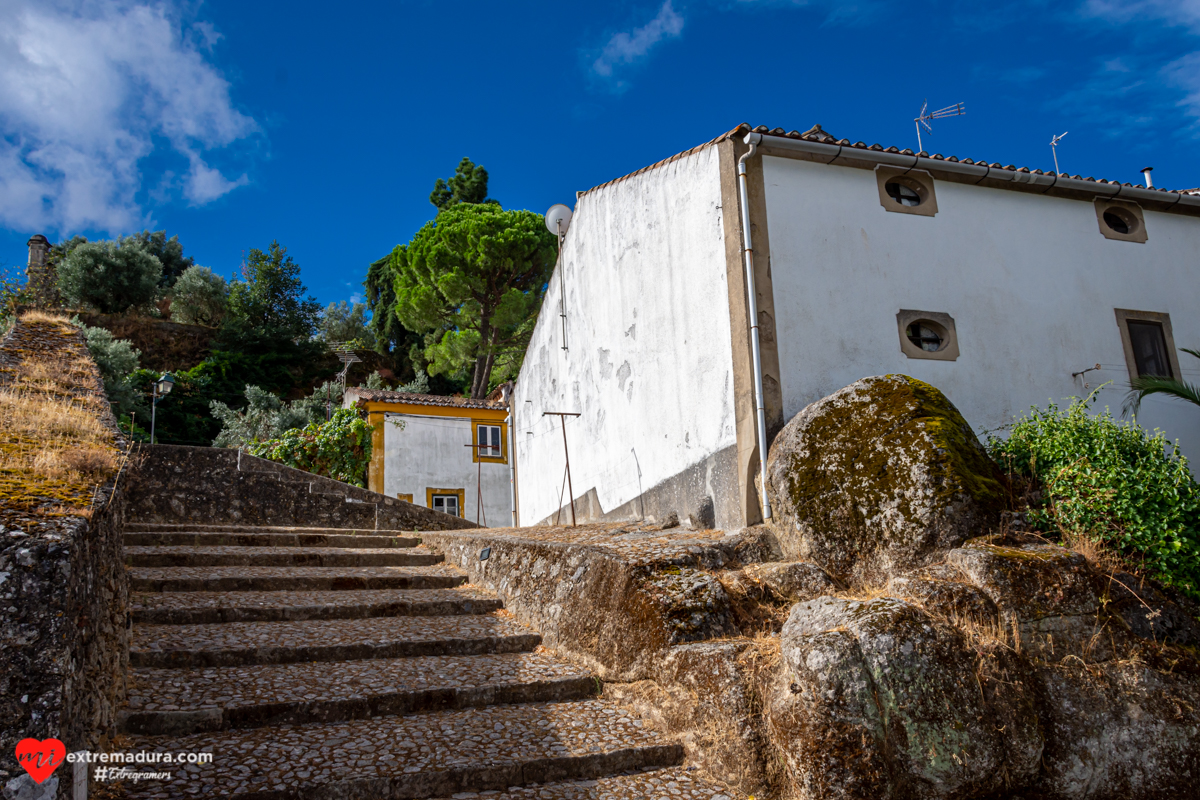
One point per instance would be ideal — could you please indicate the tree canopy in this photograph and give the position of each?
(110, 277)
(469, 185)
(346, 322)
(168, 251)
(472, 281)
(270, 299)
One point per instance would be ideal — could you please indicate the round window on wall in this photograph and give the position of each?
(1120, 220)
(927, 335)
(904, 192)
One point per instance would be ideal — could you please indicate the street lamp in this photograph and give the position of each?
(162, 387)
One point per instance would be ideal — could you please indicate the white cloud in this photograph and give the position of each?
(1185, 13)
(90, 88)
(627, 47)
(1184, 73)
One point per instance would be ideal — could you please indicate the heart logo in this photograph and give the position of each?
(40, 758)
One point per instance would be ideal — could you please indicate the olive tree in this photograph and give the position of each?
(199, 297)
(111, 276)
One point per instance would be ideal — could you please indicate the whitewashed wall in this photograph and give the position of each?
(430, 452)
(1029, 280)
(649, 363)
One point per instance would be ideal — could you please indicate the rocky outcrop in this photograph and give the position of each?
(1010, 668)
(879, 699)
(881, 476)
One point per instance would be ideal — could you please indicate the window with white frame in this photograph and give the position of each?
(446, 503)
(487, 441)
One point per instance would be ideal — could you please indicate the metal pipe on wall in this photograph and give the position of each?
(753, 139)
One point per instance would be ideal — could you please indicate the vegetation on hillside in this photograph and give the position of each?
(339, 448)
(1110, 483)
(55, 447)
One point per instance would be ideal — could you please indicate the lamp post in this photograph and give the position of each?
(162, 387)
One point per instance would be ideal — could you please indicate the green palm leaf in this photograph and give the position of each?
(1143, 387)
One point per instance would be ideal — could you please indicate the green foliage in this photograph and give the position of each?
(270, 301)
(169, 252)
(117, 360)
(469, 185)
(338, 449)
(265, 416)
(199, 297)
(13, 292)
(473, 279)
(343, 322)
(110, 277)
(1113, 483)
(1147, 385)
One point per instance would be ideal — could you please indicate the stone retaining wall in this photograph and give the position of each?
(65, 596)
(174, 484)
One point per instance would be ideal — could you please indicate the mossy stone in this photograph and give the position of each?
(882, 475)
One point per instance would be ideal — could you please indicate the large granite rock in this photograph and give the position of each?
(878, 699)
(880, 476)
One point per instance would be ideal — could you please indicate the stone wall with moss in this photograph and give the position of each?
(63, 585)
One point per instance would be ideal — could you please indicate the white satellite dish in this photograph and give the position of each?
(558, 219)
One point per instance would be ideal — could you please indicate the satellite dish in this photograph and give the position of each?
(558, 219)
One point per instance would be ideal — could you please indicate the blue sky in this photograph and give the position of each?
(325, 125)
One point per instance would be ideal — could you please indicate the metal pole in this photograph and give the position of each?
(562, 415)
(570, 489)
(562, 291)
(153, 412)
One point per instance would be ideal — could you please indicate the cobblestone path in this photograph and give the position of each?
(317, 663)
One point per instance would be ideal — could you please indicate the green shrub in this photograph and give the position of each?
(198, 297)
(117, 360)
(338, 449)
(110, 277)
(1113, 483)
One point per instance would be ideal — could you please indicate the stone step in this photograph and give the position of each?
(225, 556)
(416, 756)
(237, 643)
(196, 608)
(174, 702)
(291, 579)
(173, 527)
(159, 538)
(672, 783)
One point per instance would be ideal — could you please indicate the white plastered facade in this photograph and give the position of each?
(430, 452)
(1030, 281)
(648, 363)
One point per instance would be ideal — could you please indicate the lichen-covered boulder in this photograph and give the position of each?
(1049, 596)
(1121, 730)
(881, 476)
(792, 580)
(943, 590)
(877, 699)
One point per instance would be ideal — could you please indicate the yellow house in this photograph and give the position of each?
(451, 454)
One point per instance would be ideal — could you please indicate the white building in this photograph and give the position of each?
(444, 453)
(1003, 287)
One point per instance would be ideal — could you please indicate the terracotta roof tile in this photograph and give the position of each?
(386, 396)
(816, 134)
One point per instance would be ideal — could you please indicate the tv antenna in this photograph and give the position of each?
(922, 119)
(1054, 140)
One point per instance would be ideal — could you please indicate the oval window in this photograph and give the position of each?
(1119, 220)
(903, 194)
(927, 335)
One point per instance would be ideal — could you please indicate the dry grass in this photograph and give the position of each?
(44, 316)
(55, 446)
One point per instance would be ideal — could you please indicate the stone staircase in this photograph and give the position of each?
(320, 663)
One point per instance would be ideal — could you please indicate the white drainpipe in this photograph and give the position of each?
(753, 139)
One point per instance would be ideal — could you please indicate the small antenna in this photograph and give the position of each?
(956, 110)
(1054, 149)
